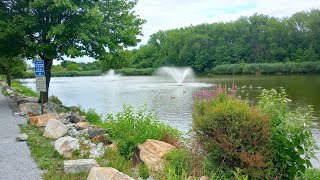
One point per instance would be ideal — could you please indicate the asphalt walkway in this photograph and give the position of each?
(16, 162)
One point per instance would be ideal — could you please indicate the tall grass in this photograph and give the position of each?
(269, 68)
(23, 89)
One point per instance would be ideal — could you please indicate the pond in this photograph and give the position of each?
(173, 103)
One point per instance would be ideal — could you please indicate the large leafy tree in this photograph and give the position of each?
(54, 29)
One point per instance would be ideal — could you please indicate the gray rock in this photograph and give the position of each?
(50, 107)
(107, 173)
(16, 114)
(96, 150)
(55, 129)
(22, 114)
(72, 131)
(79, 165)
(22, 137)
(66, 145)
(30, 108)
(65, 121)
(75, 118)
(95, 132)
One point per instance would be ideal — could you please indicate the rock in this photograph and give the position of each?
(50, 107)
(16, 114)
(72, 131)
(107, 173)
(65, 121)
(22, 114)
(30, 108)
(204, 178)
(152, 152)
(22, 137)
(101, 138)
(75, 118)
(66, 145)
(96, 151)
(112, 146)
(93, 132)
(55, 129)
(22, 100)
(41, 120)
(82, 125)
(9, 91)
(79, 165)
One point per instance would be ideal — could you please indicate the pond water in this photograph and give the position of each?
(174, 103)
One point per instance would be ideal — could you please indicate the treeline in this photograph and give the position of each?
(255, 39)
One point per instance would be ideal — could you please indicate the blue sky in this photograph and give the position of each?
(169, 14)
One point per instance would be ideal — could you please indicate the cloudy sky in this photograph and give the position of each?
(169, 14)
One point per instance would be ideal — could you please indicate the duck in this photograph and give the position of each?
(173, 97)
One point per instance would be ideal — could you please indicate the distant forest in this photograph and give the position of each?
(255, 39)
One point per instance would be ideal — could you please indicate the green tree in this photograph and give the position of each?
(12, 68)
(53, 29)
(72, 67)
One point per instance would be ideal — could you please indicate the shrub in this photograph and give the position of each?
(233, 134)
(291, 139)
(93, 117)
(179, 160)
(129, 128)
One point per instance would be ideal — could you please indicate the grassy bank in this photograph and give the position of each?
(268, 68)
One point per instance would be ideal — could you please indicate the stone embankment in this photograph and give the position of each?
(72, 132)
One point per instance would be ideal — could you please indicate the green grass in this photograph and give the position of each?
(311, 174)
(46, 157)
(23, 89)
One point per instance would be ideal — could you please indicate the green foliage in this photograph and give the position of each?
(72, 67)
(77, 73)
(291, 140)
(269, 68)
(23, 89)
(144, 171)
(136, 72)
(55, 100)
(234, 135)
(255, 39)
(93, 117)
(179, 160)
(130, 128)
(115, 160)
(311, 174)
(238, 174)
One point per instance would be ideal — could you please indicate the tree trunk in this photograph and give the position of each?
(9, 77)
(47, 66)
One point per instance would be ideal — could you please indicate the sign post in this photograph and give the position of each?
(39, 72)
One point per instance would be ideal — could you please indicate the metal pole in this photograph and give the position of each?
(41, 102)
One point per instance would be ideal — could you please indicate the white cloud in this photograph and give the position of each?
(170, 14)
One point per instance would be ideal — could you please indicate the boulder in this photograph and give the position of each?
(22, 100)
(72, 131)
(152, 152)
(66, 145)
(204, 178)
(82, 125)
(50, 107)
(30, 108)
(41, 120)
(96, 150)
(55, 129)
(93, 132)
(107, 173)
(79, 165)
(75, 118)
(22, 137)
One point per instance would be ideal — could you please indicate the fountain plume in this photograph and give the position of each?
(177, 74)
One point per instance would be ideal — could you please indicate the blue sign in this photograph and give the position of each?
(39, 68)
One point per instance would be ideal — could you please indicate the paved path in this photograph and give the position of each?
(16, 162)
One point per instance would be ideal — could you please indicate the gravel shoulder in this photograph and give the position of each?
(15, 158)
